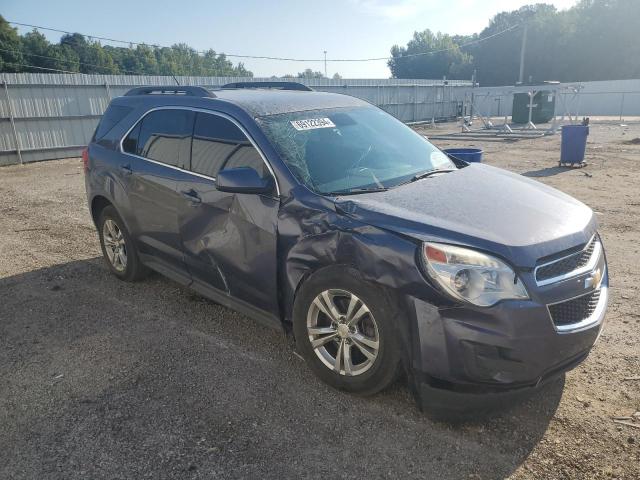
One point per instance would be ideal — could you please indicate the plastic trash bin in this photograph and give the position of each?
(465, 154)
(574, 144)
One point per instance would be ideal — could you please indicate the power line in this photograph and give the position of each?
(43, 68)
(66, 61)
(102, 67)
(263, 57)
(467, 44)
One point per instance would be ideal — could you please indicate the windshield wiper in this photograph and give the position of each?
(356, 191)
(426, 174)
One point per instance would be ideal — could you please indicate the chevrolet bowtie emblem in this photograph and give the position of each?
(593, 280)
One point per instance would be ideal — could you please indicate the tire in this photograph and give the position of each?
(360, 334)
(118, 248)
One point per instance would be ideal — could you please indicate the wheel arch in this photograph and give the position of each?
(375, 256)
(98, 204)
(347, 252)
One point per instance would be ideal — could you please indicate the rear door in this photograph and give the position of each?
(229, 239)
(159, 146)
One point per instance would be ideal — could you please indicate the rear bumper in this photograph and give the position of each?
(475, 358)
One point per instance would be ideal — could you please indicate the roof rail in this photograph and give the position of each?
(171, 90)
(274, 85)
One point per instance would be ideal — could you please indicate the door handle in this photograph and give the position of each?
(126, 169)
(192, 196)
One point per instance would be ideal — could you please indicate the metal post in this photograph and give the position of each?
(415, 103)
(578, 97)
(522, 51)
(325, 64)
(11, 118)
(532, 96)
(473, 85)
(621, 106)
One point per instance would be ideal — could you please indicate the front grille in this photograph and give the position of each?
(575, 310)
(567, 264)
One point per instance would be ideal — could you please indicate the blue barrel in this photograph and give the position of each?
(465, 154)
(574, 144)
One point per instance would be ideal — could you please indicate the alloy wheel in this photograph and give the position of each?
(343, 332)
(114, 245)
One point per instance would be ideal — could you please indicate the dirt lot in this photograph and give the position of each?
(102, 379)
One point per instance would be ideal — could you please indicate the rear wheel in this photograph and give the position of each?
(117, 247)
(343, 329)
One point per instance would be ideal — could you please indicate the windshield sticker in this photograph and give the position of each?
(312, 123)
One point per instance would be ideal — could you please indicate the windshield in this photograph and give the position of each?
(350, 150)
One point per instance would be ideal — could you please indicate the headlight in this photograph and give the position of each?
(472, 276)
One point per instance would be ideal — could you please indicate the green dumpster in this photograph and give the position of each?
(544, 107)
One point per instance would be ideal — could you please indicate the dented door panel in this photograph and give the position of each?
(229, 241)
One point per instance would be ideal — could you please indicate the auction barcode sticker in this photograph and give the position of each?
(312, 123)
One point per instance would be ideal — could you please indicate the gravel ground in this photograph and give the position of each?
(102, 379)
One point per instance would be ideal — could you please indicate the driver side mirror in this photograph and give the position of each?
(243, 180)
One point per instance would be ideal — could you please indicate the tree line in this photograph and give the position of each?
(32, 52)
(594, 40)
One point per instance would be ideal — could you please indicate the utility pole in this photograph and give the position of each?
(325, 64)
(522, 52)
(473, 100)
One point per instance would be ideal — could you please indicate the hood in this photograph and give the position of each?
(483, 207)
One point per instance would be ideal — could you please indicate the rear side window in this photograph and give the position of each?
(218, 143)
(111, 117)
(165, 136)
(130, 143)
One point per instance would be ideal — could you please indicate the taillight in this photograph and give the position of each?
(85, 159)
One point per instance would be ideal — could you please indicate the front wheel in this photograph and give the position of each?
(343, 330)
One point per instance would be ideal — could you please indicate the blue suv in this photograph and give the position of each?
(321, 214)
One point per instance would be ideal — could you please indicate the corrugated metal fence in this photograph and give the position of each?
(617, 98)
(48, 116)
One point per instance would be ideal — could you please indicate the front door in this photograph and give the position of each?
(229, 240)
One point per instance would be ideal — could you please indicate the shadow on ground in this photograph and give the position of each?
(548, 171)
(103, 379)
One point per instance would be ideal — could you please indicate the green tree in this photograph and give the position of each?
(308, 73)
(604, 43)
(11, 58)
(497, 59)
(76, 53)
(594, 40)
(40, 53)
(415, 61)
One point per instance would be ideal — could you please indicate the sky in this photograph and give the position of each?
(281, 28)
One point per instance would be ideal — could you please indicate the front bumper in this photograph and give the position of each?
(473, 357)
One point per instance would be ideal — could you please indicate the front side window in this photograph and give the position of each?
(348, 150)
(165, 136)
(218, 144)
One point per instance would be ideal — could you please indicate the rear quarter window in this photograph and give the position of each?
(111, 117)
(165, 137)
